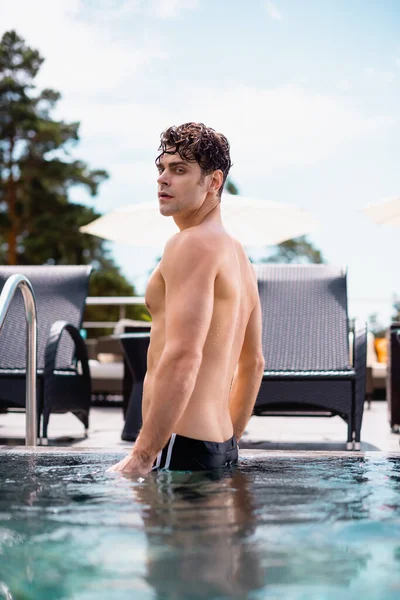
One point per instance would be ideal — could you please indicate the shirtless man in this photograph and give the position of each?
(205, 362)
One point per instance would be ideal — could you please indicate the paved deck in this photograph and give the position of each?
(263, 433)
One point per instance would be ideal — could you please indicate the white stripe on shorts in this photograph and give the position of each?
(169, 453)
(157, 465)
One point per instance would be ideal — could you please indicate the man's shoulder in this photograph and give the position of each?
(191, 242)
(190, 249)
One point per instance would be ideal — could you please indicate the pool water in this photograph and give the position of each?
(277, 527)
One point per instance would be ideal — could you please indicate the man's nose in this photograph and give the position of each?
(163, 179)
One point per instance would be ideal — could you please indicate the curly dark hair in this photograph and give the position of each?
(194, 142)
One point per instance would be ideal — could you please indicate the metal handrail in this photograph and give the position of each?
(10, 287)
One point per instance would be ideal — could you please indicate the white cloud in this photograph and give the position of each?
(83, 58)
(277, 128)
(269, 129)
(381, 76)
(134, 174)
(273, 10)
(161, 9)
(344, 85)
(100, 75)
(170, 9)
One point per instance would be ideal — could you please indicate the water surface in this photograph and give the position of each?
(277, 527)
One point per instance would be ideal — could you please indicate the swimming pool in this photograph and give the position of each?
(293, 526)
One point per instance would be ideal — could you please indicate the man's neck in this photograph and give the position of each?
(209, 211)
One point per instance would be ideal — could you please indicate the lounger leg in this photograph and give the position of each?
(349, 445)
(46, 416)
(83, 416)
(85, 421)
(357, 426)
(360, 389)
(357, 440)
(39, 416)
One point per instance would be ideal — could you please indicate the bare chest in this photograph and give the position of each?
(155, 293)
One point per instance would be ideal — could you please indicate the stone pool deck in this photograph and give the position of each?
(263, 433)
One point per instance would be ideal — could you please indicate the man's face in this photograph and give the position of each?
(182, 187)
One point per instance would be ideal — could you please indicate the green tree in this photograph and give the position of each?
(296, 250)
(375, 326)
(38, 223)
(396, 308)
(36, 168)
(231, 188)
(104, 279)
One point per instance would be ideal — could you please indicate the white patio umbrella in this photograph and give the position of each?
(253, 222)
(385, 212)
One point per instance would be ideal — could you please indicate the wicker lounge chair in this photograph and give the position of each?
(60, 293)
(306, 346)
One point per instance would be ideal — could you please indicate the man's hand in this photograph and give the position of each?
(131, 465)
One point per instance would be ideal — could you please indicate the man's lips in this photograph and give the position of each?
(164, 196)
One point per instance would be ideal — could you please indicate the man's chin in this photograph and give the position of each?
(166, 211)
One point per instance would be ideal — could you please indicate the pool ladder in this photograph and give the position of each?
(12, 284)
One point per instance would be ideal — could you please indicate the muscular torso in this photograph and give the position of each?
(207, 415)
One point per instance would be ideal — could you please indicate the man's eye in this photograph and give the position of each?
(179, 170)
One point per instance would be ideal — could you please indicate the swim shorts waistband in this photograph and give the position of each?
(188, 454)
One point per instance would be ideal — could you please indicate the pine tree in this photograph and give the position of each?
(38, 223)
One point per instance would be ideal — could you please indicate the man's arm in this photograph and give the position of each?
(189, 269)
(248, 375)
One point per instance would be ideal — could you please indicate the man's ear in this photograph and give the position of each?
(216, 180)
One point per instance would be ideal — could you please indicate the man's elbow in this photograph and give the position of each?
(260, 364)
(254, 364)
(262, 360)
(183, 358)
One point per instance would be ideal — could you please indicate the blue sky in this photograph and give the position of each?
(307, 92)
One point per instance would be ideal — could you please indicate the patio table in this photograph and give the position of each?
(135, 346)
(111, 344)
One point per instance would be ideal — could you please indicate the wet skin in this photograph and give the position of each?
(204, 363)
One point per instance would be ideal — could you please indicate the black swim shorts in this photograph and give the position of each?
(187, 454)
